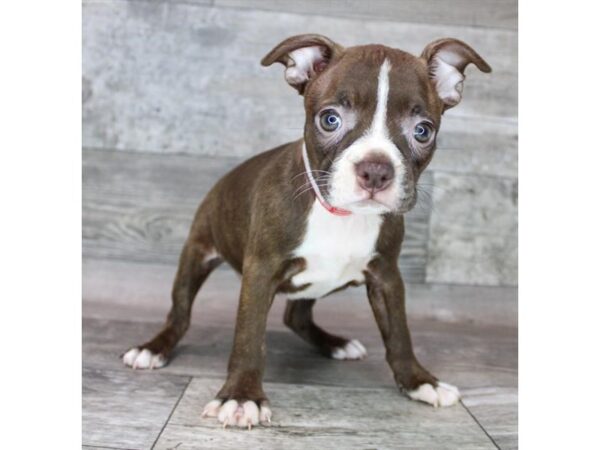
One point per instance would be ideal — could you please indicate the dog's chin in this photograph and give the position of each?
(368, 206)
(384, 202)
(378, 206)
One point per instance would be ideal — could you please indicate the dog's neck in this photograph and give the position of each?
(315, 187)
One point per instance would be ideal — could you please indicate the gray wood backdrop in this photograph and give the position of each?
(174, 95)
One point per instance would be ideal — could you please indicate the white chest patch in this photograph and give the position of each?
(336, 248)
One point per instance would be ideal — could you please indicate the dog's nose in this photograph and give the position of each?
(374, 175)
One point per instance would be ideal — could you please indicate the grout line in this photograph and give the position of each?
(428, 229)
(113, 371)
(172, 411)
(150, 152)
(212, 4)
(107, 446)
(218, 379)
(373, 18)
(133, 260)
(267, 380)
(239, 159)
(474, 174)
(480, 426)
(226, 268)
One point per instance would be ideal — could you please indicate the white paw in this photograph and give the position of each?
(352, 350)
(143, 359)
(442, 395)
(232, 413)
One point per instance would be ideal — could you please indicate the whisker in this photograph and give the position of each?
(435, 187)
(425, 199)
(308, 186)
(306, 173)
(307, 189)
(300, 193)
(320, 177)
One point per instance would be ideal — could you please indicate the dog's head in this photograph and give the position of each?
(372, 114)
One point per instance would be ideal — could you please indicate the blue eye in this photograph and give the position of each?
(423, 132)
(330, 120)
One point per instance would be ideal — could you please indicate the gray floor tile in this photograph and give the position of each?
(127, 410)
(496, 409)
(481, 360)
(326, 417)
(463, 355)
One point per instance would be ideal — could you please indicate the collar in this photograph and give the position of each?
(332, 209)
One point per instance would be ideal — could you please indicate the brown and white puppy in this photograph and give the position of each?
(322, 213)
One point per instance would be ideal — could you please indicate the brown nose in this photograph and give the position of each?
(374, 175)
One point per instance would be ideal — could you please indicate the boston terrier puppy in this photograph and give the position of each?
(322, 213)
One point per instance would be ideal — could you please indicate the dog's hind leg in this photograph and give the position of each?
(298, 317)
(198, 259)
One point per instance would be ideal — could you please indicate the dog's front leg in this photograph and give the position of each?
(385, 289)
(241, 401)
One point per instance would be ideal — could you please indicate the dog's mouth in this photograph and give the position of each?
(375, 205)
(379, 203)
(369, 202)
(371, 205)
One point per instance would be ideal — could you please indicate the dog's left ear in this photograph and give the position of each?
(305, 57)
(447, 60)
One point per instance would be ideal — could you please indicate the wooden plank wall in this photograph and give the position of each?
(139, 207)
(174, 95)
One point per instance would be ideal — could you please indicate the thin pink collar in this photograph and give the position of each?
(332, 209)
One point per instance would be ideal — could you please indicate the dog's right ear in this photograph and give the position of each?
(305, 57)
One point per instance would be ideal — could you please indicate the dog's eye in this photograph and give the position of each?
(330, 120)
(423, 132)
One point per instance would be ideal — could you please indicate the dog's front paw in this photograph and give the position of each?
(352, 350)
(441, 395)
(237, 413)
(138, 358)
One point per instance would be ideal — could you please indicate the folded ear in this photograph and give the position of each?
(305, 56)
(447, 60)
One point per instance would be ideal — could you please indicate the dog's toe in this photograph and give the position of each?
(212, 408)
(137, 358)
(265, 413)
(351, 351)
(249, 415)
(443, 394)
(238, 414)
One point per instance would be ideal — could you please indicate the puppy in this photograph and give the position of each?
(322, 213)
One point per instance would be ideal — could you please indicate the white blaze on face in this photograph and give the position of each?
(345, 191)
(378, 126)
